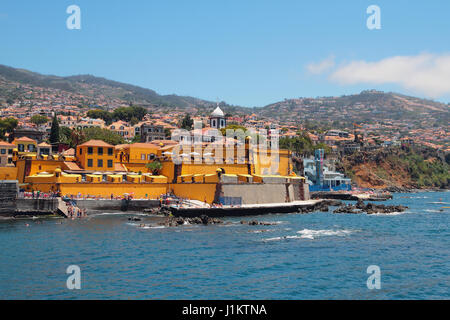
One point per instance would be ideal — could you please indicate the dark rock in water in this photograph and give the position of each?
(257, 223)
(333, 203)
(319, 206)
(346, 209)
(172, 221)
(158, 211)
(134, 219)
(370, 208)
(360, 204)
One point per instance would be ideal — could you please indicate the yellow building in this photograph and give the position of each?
(96, 155)
(25, 145)
(6, 153)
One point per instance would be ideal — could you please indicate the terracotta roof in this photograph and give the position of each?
(24, 139)
(143, 145)
(96, 143)
(119, 167)
(44, 144)
(72, 166)
(6, 144)
(69, 152)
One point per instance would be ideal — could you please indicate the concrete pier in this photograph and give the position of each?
(350, 197)
(248, 209)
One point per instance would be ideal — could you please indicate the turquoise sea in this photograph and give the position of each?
(304, 256)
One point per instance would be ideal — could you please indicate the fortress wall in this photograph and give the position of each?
(37, 206)
(138, 190)
(8, 195)
(255, 193)
(195, 191)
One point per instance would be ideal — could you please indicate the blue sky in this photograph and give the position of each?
(248, 53)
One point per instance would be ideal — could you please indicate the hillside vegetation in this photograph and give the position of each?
(408, 167)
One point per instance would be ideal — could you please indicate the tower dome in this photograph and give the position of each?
(217, 119)
(217, 113)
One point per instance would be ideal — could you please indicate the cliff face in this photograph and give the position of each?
(397, 167)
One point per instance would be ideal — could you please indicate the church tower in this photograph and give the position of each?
(217, 119)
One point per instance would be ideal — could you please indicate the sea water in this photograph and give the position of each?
(319, 255)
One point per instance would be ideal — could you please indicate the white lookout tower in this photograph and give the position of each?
(217, 119)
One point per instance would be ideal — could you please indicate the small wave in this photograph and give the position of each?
(274, 239)
(434, 211)
(312, 234)
(396, 213)
(152, 227)
(439, 202)
(260, 231)
(132, 224)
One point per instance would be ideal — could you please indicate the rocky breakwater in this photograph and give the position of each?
(322, 206)
(369, 208)
(172, 221)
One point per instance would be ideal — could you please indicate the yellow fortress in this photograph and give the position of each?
(97, 169)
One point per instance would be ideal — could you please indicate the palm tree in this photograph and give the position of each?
(77, 136)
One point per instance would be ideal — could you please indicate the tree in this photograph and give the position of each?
(155, 167)
(232, 127)
(106, 135)
(167, 133)
(137, 138)
(38, 119)
(100, 114)
(7, 125)
(54, 131)
(187, 122)
(65, 136)
(77, 136)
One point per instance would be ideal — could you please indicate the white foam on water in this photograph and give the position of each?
(132, 224)
(273, 239)
(434, 211)
(396, 213)
(312, 234)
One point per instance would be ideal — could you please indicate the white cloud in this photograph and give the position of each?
(428, 74)
(322, 66)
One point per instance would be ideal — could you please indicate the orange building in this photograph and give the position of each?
(96, 155)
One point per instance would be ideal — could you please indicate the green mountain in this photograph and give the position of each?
(94, 88)
(367, 106)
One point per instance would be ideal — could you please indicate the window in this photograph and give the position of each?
(31, 148)
(100, 163)
(90, 150)
(100, 151)
(110, 151)
(10, 151)
(81, 151)
(21, 148)
(142, 156)
(90, 163)
(110, 163)
(3, 151)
